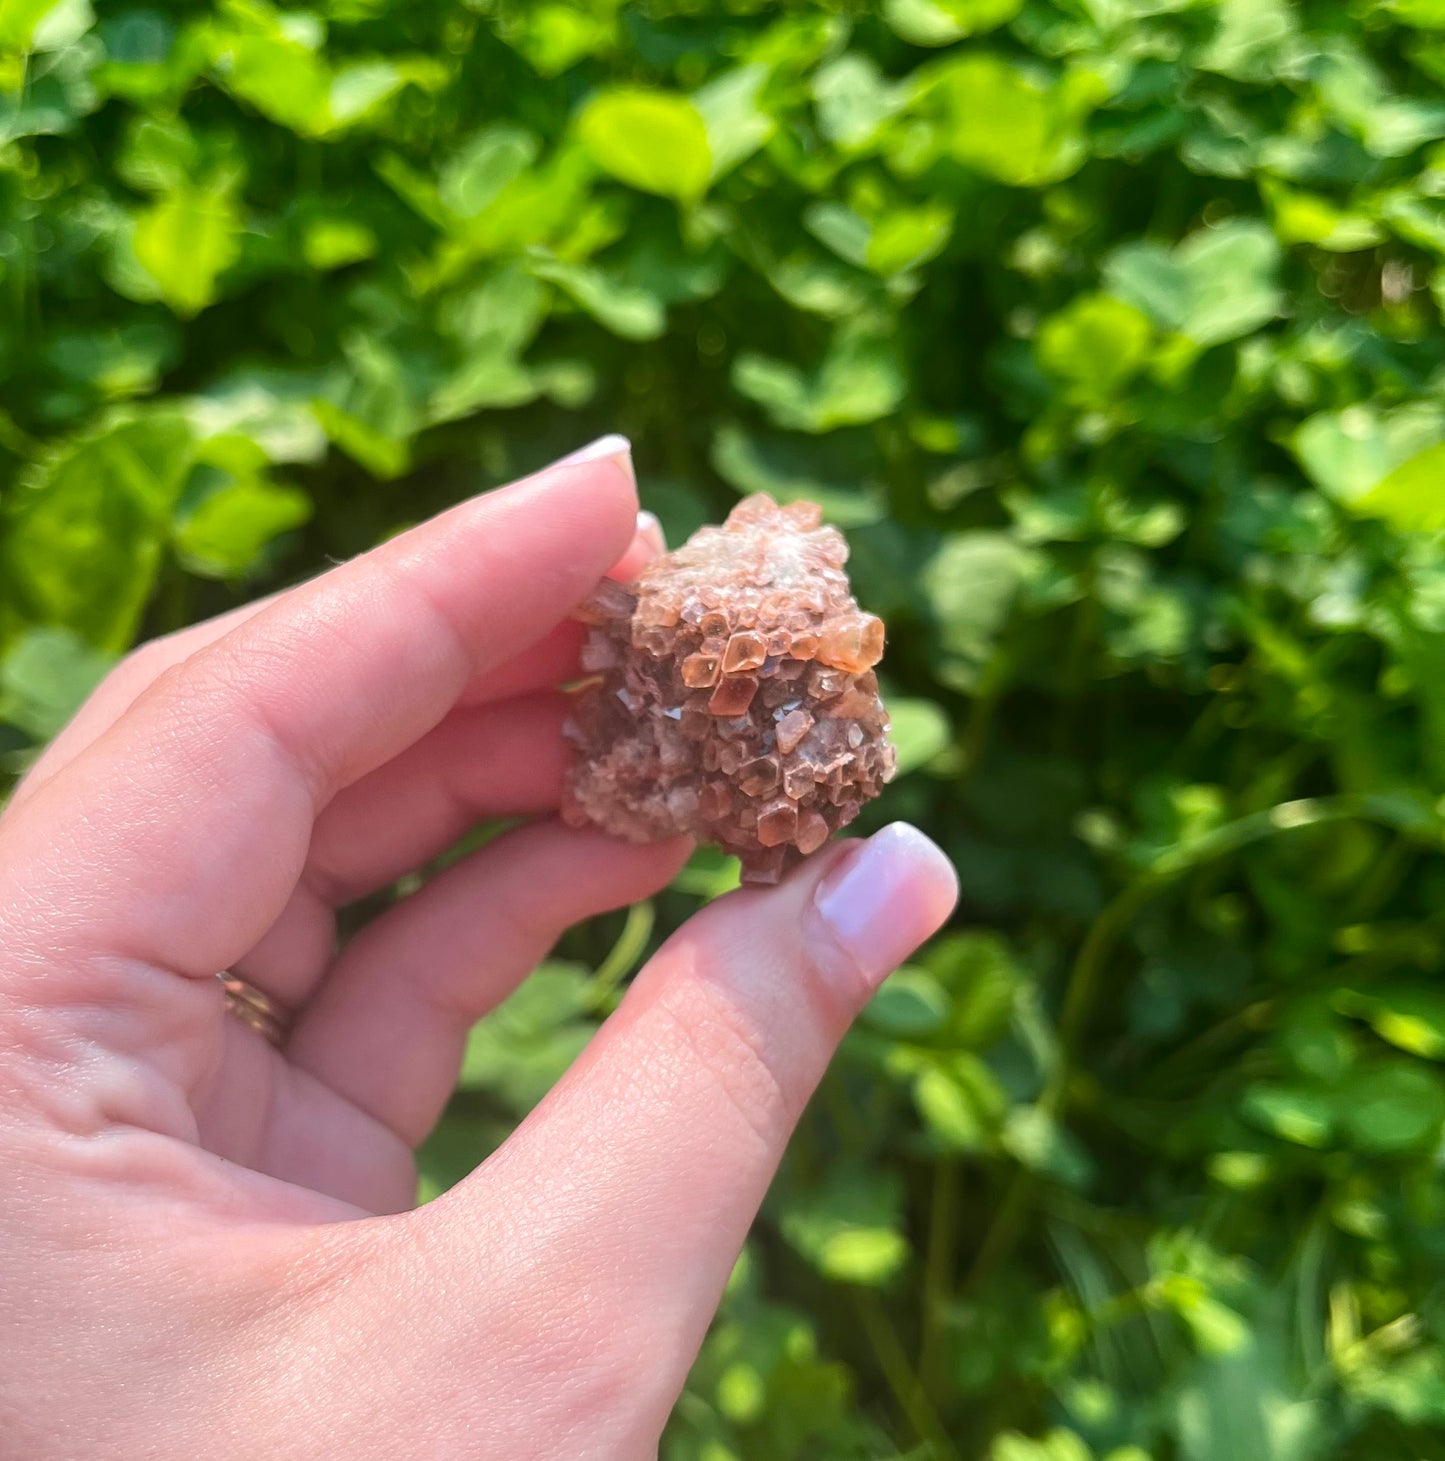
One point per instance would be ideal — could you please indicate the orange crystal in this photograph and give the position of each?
(733, 697)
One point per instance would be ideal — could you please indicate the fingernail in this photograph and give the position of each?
(651, 529)
(894, 892)
(596, 451)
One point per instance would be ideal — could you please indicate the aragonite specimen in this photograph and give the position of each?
(731, 694)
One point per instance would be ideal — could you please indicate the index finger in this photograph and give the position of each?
(176, 838)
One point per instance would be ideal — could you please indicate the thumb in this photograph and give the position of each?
(627, 1195)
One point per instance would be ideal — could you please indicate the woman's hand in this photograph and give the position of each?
(206, 1243)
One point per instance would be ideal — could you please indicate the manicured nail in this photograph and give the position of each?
(596, 451)
(885, 899)
(650, 528)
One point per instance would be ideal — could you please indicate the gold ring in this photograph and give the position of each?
(268, 1018)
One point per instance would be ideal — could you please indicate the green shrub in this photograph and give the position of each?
(1111, 331)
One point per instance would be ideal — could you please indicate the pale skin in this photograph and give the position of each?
(209, 1243)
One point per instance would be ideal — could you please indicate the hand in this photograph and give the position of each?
(206, 1243)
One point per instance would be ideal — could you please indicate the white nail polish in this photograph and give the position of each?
(596, 451)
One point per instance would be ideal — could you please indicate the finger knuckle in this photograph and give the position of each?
(728, 1044)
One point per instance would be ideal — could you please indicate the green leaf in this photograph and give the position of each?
(1356, 95)
(733, 117)
(1297, 1114)
(859, 380)
(46, 675)
(1057, 1445)
(554, 37)
(185, 241)
(651, 140)
(488, 161)
(23, 23)
(1000, 120)
(1301, 217)
(224, 534)
(854, 100)
(971, 583)
(1256, 40)
(1412, 497)
(454, 1150)
(939, 22)
(332, 242)
(1217, 285)
(623, 308)
(983, 977)
(847, 233)
(789, 469)
(1412, 1019)
(911, 1002)
(1034, 1137)
(1350, 453)
(382, 455)
(849, 1227)
(83, 544)
(277, 70)
(1216, 1328)
(520, 1050)
(1095, 345)
(960, 1103)
(1393, 1109)
(270, 408)
(898, 239)
(919, 730)
(358, 91)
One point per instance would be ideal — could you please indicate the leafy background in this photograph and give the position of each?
(1111, 330)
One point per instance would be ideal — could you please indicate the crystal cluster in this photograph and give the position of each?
(731, 694)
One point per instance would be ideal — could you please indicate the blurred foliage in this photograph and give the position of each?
(1111, 329)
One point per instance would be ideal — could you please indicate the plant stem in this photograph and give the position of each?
(938, 1271)
(1005, 1230)
(902, 1381)
(1086, 976)
(1389, 871)
(623, 956)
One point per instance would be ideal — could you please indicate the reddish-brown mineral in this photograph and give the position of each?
(732, 694)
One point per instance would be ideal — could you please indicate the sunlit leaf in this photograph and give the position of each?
(1412, 496)
(849, 1228)
(1351, 453)
(937, 22)
(1001, 120)
(83, 544)
(185, 242)
(854, 100)
(735, 121)
(623, 308)
(45, 676)
(223, 534)
(1095, 345)
(971, 583)
(789, 469)
(519, 1051)
(486, 163)
(1394, 1108)
(1218, 284)
(860, 379)
(960, 1103)
(650, 140)
(1303, 1116)
(920, 730)
(1033, 1136)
